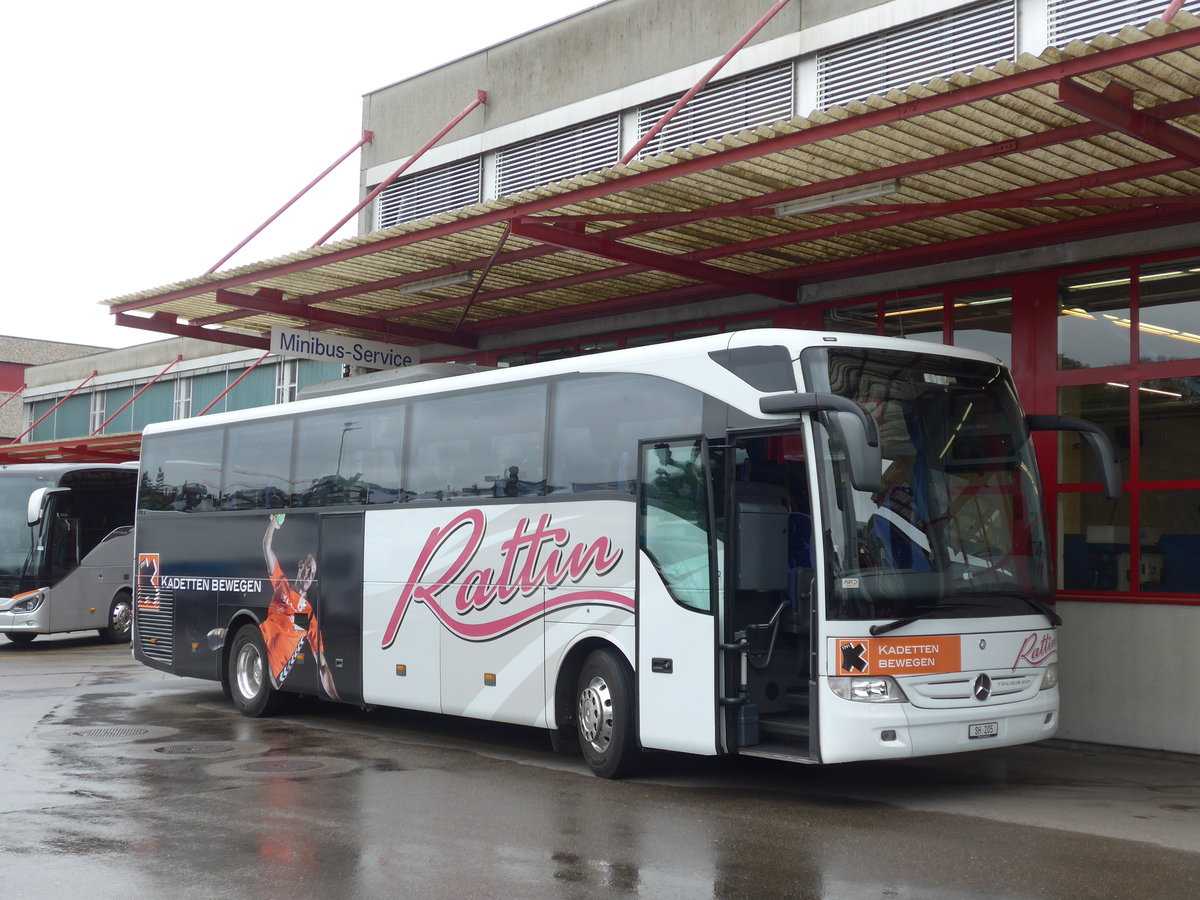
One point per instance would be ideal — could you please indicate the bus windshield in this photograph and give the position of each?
(957, 527)
(14, 532)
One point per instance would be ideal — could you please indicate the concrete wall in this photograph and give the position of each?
(1130, 675)
(601, 50)
(155, 354)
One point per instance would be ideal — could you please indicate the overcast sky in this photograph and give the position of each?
(143, 139)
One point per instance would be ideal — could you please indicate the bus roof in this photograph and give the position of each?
(650, 359)
(58, 470)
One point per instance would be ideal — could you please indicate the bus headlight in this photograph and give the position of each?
(1050, 679)
(28, 603)
(877, 689)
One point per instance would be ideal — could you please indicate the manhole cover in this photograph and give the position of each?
(283, 767)
(280, 765)
(193, 749)
(109, 733)
(100, 734)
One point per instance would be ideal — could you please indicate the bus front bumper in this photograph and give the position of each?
(24, 613)
(868, 731)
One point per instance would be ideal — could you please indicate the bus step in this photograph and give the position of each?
(783, 728)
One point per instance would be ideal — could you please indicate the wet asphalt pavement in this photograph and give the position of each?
(122, 782)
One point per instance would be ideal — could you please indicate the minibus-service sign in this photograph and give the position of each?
(344, 350)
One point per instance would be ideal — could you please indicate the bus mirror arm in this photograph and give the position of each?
(1101, 446)
(37, 503)
(866, 466)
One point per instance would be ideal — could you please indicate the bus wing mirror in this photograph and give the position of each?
(1102, 448)
(862, 441)
(37, 503)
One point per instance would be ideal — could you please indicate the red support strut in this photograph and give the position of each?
(367, 137)
(480, 99)
(699, 85)
(128, 402)
(75, 390)
(221, 395)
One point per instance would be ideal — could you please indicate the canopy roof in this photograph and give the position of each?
(101, 448)
(1093, 139)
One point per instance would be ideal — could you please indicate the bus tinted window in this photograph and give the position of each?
(256, 465)
(349, 457)
(599, 419)
(490, 444)
(181, 471)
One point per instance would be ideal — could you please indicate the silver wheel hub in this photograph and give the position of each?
(249, 671)
(122, 617)
(596, 714)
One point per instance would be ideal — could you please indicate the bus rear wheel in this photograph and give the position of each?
(120, 619)
(20, 637)
(604, 715)
(250, 675)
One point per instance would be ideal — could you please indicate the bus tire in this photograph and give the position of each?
(20, 637)
(250, 675)
(120, 619)
(604, 715)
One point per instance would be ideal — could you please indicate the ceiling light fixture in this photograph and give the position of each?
(837, 198)
(429, 284)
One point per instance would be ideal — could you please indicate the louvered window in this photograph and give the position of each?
(1070, 20)
(938, 46)
(437, 190)
(729, 106)
(558, 155)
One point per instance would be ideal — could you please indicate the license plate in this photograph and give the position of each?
(983, 730)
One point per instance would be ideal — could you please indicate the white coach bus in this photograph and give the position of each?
(66, 549)
(807, 546)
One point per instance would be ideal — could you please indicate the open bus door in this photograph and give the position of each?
(770, 599)
(677, 622)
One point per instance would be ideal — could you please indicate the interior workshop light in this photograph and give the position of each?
(837, 198)
(441, 281)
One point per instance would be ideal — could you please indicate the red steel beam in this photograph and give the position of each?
(755, 206)
(165, 323)
(344, 320)
(1116, 56)
(699, 85)
(893, 260)
(1114, 107)
(480, 99)
(678, 265)
(367, 137)
(48, 412)
(986, 244)
(129, 402)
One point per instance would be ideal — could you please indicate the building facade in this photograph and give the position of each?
(1106, 328)
(17, 355)
(122, 391)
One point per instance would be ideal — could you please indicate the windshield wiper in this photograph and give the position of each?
(877, 630)
(1044, 609)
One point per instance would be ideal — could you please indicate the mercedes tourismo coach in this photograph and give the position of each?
(808, 546)
(66, 549)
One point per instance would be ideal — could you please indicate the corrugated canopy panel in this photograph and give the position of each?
(1097, 138)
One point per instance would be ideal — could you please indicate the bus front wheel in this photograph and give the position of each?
(120, 619)
(604, 715)
(20, 637)
(250, 675)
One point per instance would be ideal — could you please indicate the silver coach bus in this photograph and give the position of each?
(66, 549)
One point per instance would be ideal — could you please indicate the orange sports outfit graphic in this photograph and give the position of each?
(283, 635)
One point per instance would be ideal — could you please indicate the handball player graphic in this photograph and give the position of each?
(290, 618)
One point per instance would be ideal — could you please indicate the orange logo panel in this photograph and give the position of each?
(928, 654)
